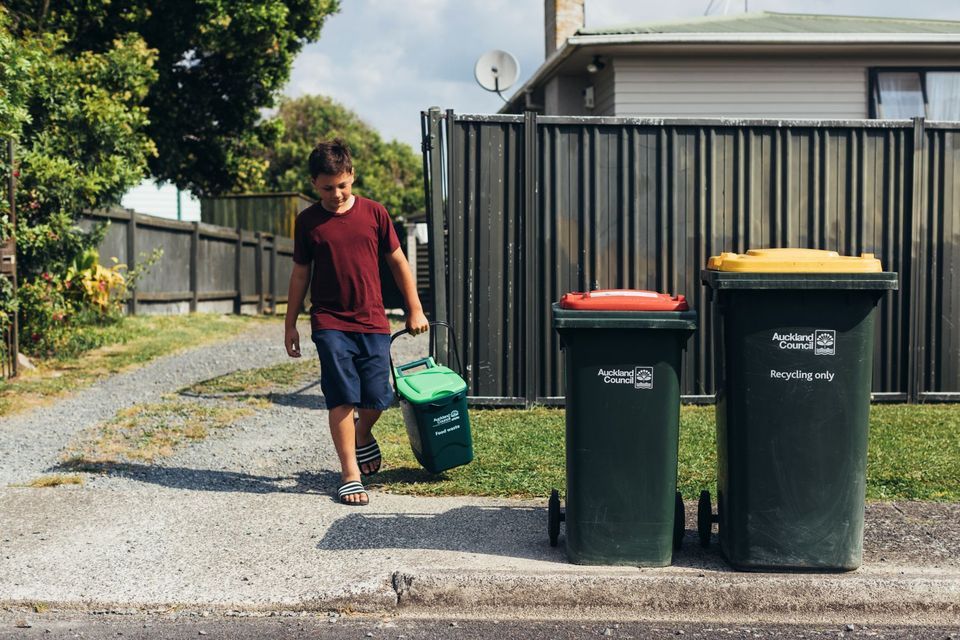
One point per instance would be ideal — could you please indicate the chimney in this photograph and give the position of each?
(561, 19)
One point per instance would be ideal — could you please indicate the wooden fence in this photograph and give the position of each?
(203, 267)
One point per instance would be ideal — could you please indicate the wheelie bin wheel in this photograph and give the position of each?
(679, 520)
(554, 517)
(704, 518)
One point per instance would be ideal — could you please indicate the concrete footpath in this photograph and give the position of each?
(159, 548)
(243, 523)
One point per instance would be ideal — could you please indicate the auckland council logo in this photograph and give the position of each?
(825, 341)
(643, 378)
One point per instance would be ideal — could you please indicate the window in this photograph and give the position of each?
(933, 94)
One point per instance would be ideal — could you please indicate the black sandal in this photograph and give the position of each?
(369, 454)
(352, 488)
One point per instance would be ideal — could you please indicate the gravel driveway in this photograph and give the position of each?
(280, 446)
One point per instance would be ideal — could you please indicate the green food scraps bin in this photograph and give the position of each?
(622, 353)
(794, 360)
(433, 399)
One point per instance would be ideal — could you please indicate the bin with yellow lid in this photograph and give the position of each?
(794, 357)
(623, 350)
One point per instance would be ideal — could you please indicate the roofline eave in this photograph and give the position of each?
(748, 40)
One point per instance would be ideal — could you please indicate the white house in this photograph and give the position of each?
(163, 200)
(756, 65)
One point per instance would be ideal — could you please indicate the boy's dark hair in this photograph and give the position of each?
(330, 158)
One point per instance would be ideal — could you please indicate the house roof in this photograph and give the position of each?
(770, 22)
(761, 32)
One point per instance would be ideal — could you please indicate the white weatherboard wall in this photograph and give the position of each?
(603, 87)
(750, 87)
(740, 88)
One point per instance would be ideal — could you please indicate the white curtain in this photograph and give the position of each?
(943, 95)
(900, 96)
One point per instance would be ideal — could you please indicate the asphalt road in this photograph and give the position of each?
(335, 627)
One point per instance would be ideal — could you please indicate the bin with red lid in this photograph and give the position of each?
(622, 352)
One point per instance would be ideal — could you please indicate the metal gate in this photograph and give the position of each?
(525, 208)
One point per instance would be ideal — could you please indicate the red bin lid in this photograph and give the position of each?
(622, 300)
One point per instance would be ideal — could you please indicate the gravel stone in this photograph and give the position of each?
(262, 452)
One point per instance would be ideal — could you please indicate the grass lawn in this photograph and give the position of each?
(913, 454)
(135, 341)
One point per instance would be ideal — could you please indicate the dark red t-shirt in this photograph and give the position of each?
(345, 249)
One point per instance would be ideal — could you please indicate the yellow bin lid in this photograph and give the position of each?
(794, 261)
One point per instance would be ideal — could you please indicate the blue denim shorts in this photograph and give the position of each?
(354, 368)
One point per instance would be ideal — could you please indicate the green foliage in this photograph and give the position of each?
(79, 123)
(84, 144)
(78, 120)
(45, 309)
(389, 172)
(218, 63)
(16, 63)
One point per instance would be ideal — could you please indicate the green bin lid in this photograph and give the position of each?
(428, 385)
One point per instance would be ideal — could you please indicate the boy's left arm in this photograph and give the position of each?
(416, 320)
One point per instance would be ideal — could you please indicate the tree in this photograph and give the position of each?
(218, 63)
(389, 172)
(79, 122)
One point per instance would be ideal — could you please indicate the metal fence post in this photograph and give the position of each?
(916, 360)
(433, 177)
(531, 261)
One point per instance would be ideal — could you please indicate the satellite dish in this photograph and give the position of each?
(496, 71)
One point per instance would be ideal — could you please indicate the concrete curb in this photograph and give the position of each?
(672, 594)
(872, 597)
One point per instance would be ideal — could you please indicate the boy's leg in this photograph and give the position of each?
(341, 391)
(367, 418)
(376, 391)
(344, 435)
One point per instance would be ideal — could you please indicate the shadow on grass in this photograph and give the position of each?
(405, 475)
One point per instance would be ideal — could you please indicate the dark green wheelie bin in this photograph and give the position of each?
(794, 361)
(623, 351)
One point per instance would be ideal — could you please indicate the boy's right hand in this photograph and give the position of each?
(291, 340)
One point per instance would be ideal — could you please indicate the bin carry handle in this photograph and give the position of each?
(422, 361)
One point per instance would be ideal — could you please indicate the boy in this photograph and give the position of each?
(338, 244)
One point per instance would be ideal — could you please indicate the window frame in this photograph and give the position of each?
(873, 92)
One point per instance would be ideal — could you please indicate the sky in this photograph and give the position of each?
(388, 60)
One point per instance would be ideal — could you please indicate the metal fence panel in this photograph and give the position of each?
(939, 341)
(633, 203)
(487, 229)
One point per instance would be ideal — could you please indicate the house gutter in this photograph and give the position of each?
(556, 59)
